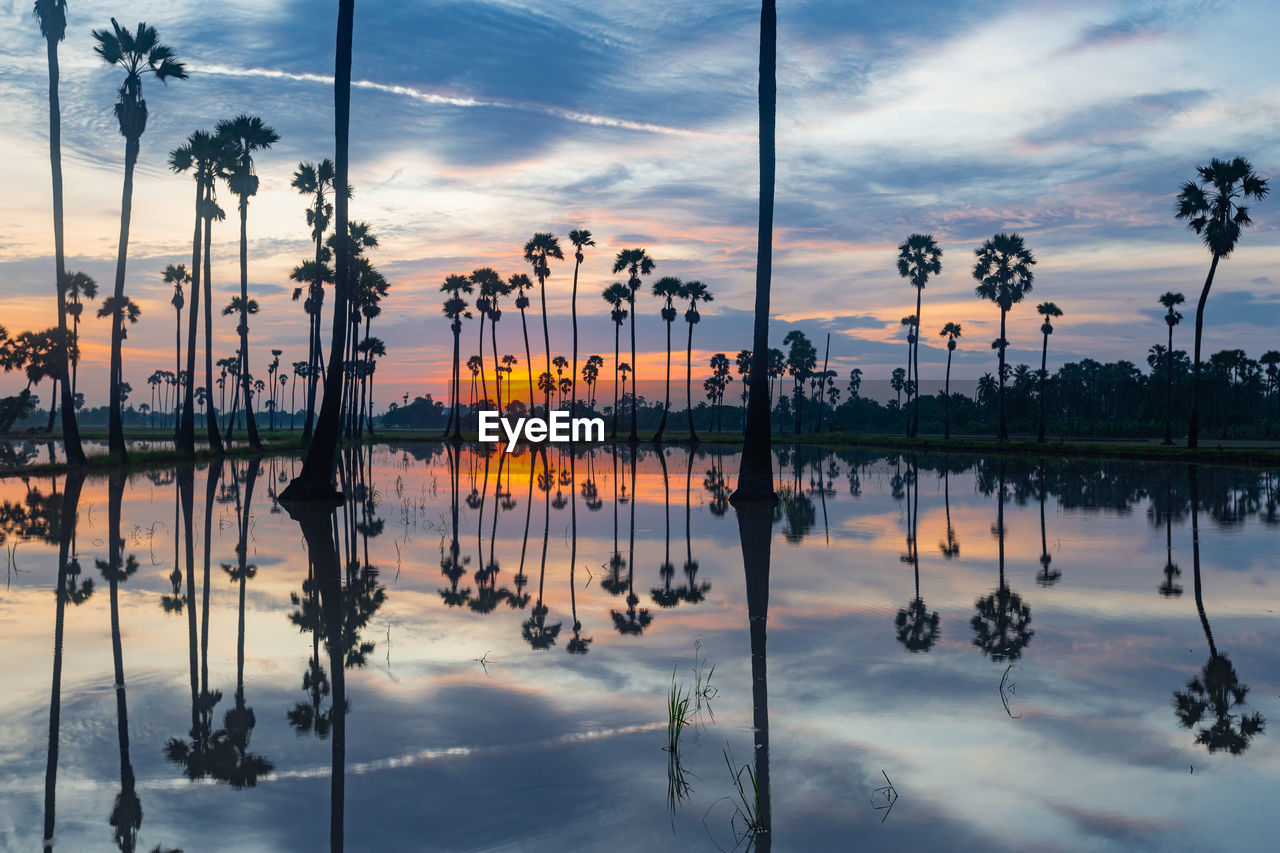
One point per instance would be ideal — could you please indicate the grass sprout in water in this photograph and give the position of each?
(745, 821)
(703, 690)
(677, 713)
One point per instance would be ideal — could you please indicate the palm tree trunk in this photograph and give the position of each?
(315, 481)
(617, 330)
(688, 385)
(211, 415)
(497, 374)
(915, 361)
(70, 428)
(1193, 478)
(251, 425)
(1193, 427)
(1044, 381)
(634, 438)
(573, 312)
(115, 424)
(546, 334)
(755, 476)
(1168, 390)
(946, 398)
(666, 400)
(1004, 429)
(455, 415)
(528, 362)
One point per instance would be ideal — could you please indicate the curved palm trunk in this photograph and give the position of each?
(528, 362)
(915, 362)
(688, 385)
(1168, 390)
(1004, 429)
(1044, 381)
(634, 438)
(666, 400)
(211, 415)
(573, 377)
(70, 428)
(315, 480)
(497, 374)
(1193, 426)
(546, 336)
(115, 424)
(1193, 477)
(755, 475)
(251, 425)
(187, 426)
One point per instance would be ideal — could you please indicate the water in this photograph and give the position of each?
(918, 679)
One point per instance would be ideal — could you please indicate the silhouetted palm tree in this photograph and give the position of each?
(538, 252)
(580, 238)
(918, 258)
(617, 295)
(1212, 205)
(1048, 311)
(1004, 276)
(52, 15)
(950, 331)
(138, 53)
(695, 292)
(668, 288)
(1170, 300)
(315, 481)
(245, 135)
(755, 474)
(520, 283)
(1046, 576)
(177, 275)
(636, 263)
(314, 180)
(79, 286)
(917, 628)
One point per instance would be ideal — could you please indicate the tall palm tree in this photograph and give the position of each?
(204, 156)
(755, 475)
(1170, 300)
(486, 281)
(493, 288)
(909, 323)
(455, 308)
(1004, 276)
(579, 237)
(138, 53)
(695, 292)
(668, 288)
(1048, 311)
(52, 15)
(79, 286)
(315, 180)
(636, 263)
(177, 275)
(212, 213)
(538, 252)
(245, 135)
(520, 283)
(1212, 206)
(617, 295)
(918, 258)
(315, 480)
(950, 331)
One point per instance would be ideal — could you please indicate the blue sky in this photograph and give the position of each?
(476, 124)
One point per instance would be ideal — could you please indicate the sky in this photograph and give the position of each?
(476, 124)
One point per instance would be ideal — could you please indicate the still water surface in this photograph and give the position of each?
(958, 653)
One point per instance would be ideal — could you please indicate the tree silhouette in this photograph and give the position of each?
(1004, 275)
(636, 263)
(617, 295)
(668, 289)
(580, 238)
(1170, 300)
(1001, 626)
(315, 181)
(918, 258)
(1048, 311)
(917, 628)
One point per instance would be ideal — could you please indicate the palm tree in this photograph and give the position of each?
(617, 296)
(538, 251)
(52, 15)
(909, 323)
(520, 283)
(560, 363)
(637, 263)
(624, 370)
(1212, 207)
(272, 369)
(138, 53)
(203, 155)
(455, 308)
(314, 181)
(119, 310)
(1048, 311)
(950, 331)
(755, 474)
(244, 135)
(579, 237)
(79, 286)
(918, 258)
(695, 292)
(315, 481)
(177, 275)
(668, 288)
(1170, 300)
(1004, 276)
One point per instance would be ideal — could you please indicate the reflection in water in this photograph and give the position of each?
(496, 722)
(1217, 689)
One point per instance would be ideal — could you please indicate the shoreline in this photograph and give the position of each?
(1245, 455)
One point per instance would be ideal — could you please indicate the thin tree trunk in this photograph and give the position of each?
(211, 415)
(573, 311)
(634, 438)
(755, 475)
(70, 428)
(1193, 427)
(946, 398)
(1044, 381)
(617, 330)
(1004, 429)
(915, 359)
(666, 400)
(688, 385)
(546, 335)
(115, 424)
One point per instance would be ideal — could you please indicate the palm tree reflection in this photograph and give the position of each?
(951, 548)
(1002, 624)
(917, 627)
(632, 622)
(535, 630)
(1046, 576)
(1212, 694)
